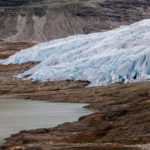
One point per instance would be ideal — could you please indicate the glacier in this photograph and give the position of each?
(118, 55)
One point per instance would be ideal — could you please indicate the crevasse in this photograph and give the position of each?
(119, 55)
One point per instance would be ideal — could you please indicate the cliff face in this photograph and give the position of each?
(43, 20)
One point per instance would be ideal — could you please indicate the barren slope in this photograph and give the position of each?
(42, 20)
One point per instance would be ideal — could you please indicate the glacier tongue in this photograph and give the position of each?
(119, 55)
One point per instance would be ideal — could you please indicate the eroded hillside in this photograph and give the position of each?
(43, 20)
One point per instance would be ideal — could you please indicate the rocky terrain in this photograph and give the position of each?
(43, 20)
(121, 120)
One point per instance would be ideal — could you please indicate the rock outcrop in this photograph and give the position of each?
(43, 20)
(121, 122)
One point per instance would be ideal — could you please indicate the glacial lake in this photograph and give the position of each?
(17, 114)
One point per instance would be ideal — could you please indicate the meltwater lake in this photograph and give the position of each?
(18, 114)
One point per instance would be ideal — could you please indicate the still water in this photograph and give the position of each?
(16, 115)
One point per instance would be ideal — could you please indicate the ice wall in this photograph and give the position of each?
(119, 55)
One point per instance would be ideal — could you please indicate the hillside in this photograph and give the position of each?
(43, 20)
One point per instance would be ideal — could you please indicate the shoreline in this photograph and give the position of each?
(106, 111)
(64, 112)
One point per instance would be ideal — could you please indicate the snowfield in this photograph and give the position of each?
(119, 55)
